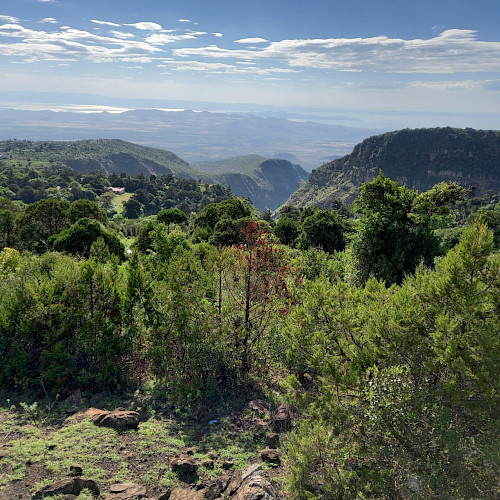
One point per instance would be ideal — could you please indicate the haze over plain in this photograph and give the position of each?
(385, 65)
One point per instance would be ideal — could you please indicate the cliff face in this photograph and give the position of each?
(418, 158)
(267, 182)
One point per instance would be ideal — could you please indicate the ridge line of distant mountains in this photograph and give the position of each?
(419, 158)
(268, 182)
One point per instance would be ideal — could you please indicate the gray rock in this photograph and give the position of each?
(181, 493)
(126, 491)
(282, 418)
(119, 419)
(270, 456)
(69, 486)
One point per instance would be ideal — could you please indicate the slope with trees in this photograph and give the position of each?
(417, 158)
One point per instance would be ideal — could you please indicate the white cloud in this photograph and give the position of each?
(146, 26)
(107, 23)
(251, 40)
(218, 35)
(449, 85)
(121, 35)
(452, 51)
(9, 19)
(46, 1)
(184, 20)
(210, 67)
(49, 20)
(71, 43)
(163, 38)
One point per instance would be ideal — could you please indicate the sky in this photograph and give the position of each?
(408, 63)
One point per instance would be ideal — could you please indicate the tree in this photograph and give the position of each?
(286, 230)
(322, 229)
(80, 209)
(258, 293)
(78, 239)
(391, 242)
(39, 221)
(172, 216)
(132, 209)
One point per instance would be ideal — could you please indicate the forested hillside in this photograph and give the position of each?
(366, 338)
(103, 155)
(418, 158)
(267, 182)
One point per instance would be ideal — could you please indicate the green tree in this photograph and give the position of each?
(78, 239)
(390, 242)
(39, 222)
(286, 230)
(322, 229)
(172, 216)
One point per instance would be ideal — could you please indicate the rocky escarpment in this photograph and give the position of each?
(419, 158)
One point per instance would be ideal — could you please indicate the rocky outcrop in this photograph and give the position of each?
(126, 491)
(119, 419)
(418, 158)
(69, 486)
(282, 418)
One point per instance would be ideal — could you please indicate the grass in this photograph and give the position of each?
(119, 200)
(49, 444)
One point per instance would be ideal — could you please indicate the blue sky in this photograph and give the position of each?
(409, 63)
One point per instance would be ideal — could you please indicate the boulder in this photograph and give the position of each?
(252, 483)
(185, 466)
(75, 470)
(259, 405)
(181, 493)
(69, 486)
(270, 456)
(273, 439)
(282, 418)
(216, 488)
(126, 491)
(120, 420)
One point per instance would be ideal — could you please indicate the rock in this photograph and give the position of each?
(126, 491)
(185, 463)
(69, 486)
(227, 464)
(208, 464)
(256, 487)
(186, 466)
(181, 493)
(252, 483)
(164, 496)
(75, 470)
(273, 439)
(270, 456)
(119, 420)
(216, 488)
(192, 450)
(259, 405)
(282, 418)
(240, 475)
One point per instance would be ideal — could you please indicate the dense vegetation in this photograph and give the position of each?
(267, 182)
(418, 158)
(380, 323)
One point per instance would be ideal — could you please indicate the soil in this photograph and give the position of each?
(142, 456)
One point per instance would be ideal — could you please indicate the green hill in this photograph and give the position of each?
(267, 182)
(105, 155)
(418, 158)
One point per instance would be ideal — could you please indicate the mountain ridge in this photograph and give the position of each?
(418, 158)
